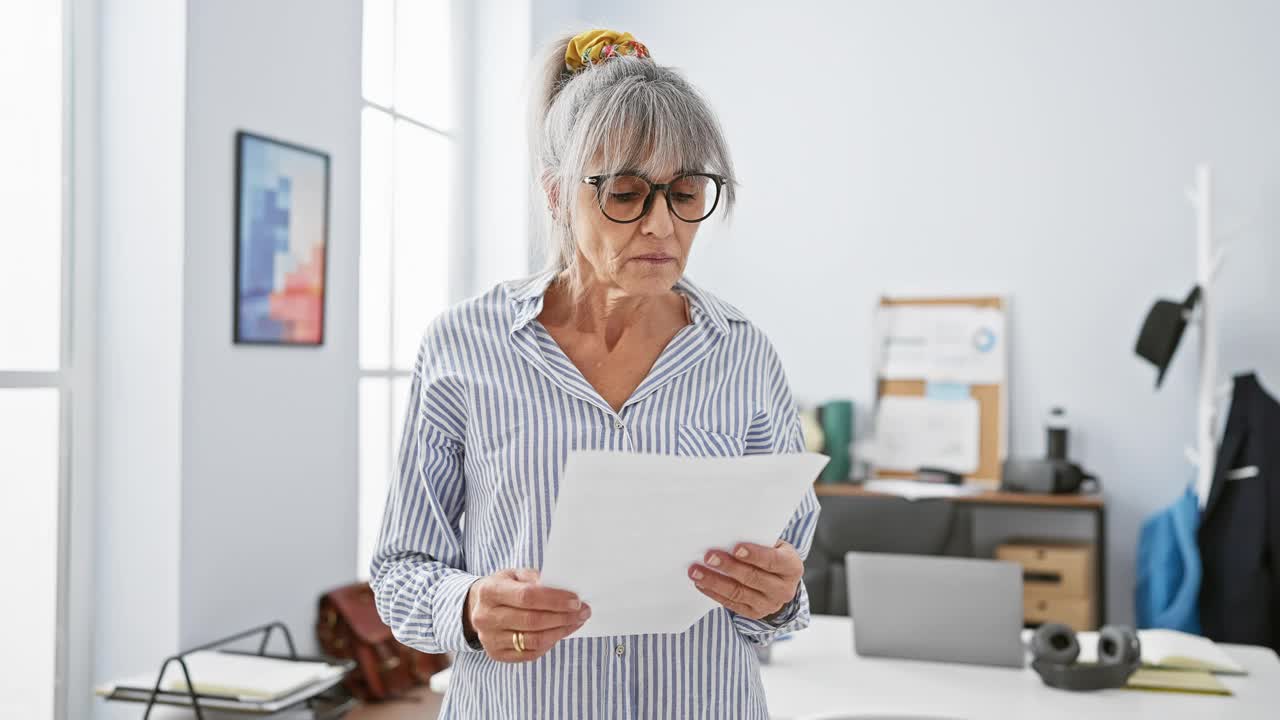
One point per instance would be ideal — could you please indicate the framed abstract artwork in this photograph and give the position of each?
(282, 238)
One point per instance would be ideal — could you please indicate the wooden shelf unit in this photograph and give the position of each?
(1093, 504)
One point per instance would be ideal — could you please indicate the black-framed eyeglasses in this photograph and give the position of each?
(627, 197)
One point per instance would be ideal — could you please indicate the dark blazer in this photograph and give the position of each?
(1240, 528)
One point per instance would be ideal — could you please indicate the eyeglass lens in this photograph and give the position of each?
(692, 197)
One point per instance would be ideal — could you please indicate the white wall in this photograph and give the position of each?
(548, 19)
(1034, 149)
(142, 85)
(269, 433)
(494, 140)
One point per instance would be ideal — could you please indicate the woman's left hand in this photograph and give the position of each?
(754, 581)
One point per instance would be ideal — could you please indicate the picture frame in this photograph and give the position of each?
(281, 242)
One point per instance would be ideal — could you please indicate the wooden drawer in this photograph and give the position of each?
(1058, 569)
(1077, 613)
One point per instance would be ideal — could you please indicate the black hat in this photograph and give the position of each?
(1162, 331)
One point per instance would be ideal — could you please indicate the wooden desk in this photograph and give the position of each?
(1093, 504)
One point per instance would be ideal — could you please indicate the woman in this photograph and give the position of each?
(610, 348)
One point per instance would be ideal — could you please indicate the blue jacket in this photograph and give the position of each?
(1169, 567)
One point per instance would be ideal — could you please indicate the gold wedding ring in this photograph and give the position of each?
(517, 640)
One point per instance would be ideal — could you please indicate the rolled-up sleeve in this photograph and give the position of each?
(418, 568)
(774, 430)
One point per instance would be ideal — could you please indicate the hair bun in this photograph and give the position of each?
(595, 46)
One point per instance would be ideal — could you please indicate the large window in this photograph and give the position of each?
(35, 392)
(406, 210)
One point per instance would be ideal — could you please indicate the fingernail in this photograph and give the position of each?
(697, 574)
(713, 560)
(574, 604)
(586, 613)
(740, 552)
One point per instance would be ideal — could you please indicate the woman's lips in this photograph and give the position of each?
(655, 259)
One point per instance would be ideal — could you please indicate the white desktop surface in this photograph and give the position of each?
(815, 674)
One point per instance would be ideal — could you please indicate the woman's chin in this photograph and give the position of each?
(642, 277)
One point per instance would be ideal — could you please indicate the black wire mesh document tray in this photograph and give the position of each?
(211, 678)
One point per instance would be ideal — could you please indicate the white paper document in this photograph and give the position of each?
(627, 526)
(915, 432)
(941, 344)
(916, 490)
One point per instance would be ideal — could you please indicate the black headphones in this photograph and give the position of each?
(1054, 650)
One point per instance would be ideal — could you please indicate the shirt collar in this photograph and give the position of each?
(526, 296)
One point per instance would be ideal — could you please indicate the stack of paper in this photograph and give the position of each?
(248, 677)
(916, 490)
(233, 681)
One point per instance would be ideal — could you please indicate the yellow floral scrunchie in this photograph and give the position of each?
(595, 46)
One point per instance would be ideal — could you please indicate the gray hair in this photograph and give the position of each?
(624, 113)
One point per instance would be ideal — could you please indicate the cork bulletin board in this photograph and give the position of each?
(992, 398)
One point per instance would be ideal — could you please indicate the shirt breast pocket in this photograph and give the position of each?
(694, 441)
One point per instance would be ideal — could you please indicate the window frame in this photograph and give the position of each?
(73, 378)
(390, 373)
(75, 664)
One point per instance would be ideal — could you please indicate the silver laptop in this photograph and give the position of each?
(936, 608)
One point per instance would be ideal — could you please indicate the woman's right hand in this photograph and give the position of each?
(511, 601)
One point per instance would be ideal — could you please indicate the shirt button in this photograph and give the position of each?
(617, 425)
(620, 651)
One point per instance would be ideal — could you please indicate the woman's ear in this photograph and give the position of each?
(551, 189)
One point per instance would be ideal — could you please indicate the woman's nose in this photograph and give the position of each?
(658, 221)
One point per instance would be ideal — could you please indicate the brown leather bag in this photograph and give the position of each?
(348, 626)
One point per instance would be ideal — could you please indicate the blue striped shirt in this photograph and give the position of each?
(495, 407)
